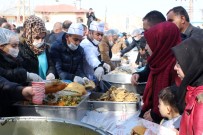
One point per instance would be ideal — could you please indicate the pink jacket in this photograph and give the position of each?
(192, 118)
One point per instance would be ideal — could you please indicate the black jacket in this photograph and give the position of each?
(11, 69)
(130, 47)
(30, 60)
(68, 63)
(9, 93)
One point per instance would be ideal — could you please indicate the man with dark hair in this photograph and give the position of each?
(2, 20)
(90, 17)
(152, 18)
(180, 17)
(66, 24)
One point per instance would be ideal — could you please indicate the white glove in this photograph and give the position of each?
(50, 76)
(107, 67)
(79, 79)
(99, 72)
(33, 77)
(86, 80)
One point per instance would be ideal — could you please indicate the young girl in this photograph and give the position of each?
(189, 67)
(168, 108)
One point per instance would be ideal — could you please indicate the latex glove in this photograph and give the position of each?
(99, 72)
(86, 80)
(79, 79)
(33, 77)
(50, 76)
(107, 67)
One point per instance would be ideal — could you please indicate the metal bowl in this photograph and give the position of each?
(45, 126)
(121, 80)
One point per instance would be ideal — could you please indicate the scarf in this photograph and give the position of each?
(33, 26)
(189, 55)
(160, 38)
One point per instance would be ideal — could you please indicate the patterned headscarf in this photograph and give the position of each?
(33, 26)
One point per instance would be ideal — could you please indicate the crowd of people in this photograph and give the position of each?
(169, 48)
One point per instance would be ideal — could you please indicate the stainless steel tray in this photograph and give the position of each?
(93, 104)
(65, 112)
(46, 126)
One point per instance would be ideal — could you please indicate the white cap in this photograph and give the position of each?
(136, 32)
(97, 26)
(76, 28)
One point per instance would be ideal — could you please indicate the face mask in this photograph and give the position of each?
(95, 42)
(136, 38)
(111, 43)
(72, 46)
(13, 52)
(38, 44)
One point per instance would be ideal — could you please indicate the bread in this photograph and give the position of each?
(54, 86)
(90, 85)
(76, 88)
(138, 130)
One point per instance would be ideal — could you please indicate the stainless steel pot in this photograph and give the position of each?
(121, 80)
(45, 126)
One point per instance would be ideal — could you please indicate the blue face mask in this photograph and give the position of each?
(72, 46)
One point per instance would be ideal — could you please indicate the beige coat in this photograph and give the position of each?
(118, 46)
(104, 49)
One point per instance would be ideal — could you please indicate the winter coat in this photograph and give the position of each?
(68, 63)
(11, 68)
(118, 46)
(191, 122)
(9, 93)
(30, 60)
(105, 52)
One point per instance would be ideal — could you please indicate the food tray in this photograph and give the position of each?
(65, 112)
(93, 104)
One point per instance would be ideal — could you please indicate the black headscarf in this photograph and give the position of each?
(189, 55)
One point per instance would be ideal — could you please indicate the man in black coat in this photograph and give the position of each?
(68, 55)
(90, 17)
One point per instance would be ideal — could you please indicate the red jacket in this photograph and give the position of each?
(192, 118)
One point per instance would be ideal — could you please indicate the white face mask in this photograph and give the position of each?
(13, 52)
(137, 38)
(111, 43)
(96, 42)
(72, 46)
(37, 44)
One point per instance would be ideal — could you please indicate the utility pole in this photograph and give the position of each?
(23, 10)
(105, 14)
(18, 16)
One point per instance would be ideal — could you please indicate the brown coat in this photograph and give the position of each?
(118, 46)
(105, 49)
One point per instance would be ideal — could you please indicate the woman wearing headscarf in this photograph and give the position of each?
(160, 39)
(189, 67)
(10, 63)
(34, 50)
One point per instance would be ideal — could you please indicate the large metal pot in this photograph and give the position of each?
(121, 80)
(45, 126)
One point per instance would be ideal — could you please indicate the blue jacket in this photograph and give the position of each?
(68, 63)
